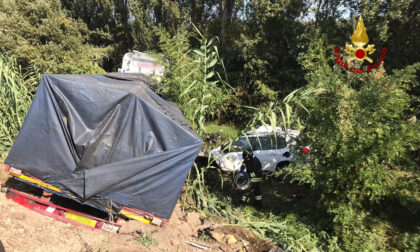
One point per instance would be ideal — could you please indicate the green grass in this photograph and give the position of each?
(284, 220)
(294, 224)
(147, 240)
(226, 133)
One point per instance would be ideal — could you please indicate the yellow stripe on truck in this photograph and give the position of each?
(80, 219)
(135, 217)
(35, 181)
(40, 183)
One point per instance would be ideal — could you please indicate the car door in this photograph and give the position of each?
(275, 151)
(231, 159)
(282, 151)
(262, 147)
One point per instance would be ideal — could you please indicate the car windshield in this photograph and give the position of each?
(239, 145)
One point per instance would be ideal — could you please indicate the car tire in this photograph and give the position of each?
(245, 185)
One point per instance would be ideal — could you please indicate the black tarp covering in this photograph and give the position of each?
(107, 139)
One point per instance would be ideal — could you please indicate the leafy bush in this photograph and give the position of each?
(39, 33)
(361, 134)
(16, 92)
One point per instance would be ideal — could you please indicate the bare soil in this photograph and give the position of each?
(24, 230)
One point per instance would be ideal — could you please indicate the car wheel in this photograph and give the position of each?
(242, 182)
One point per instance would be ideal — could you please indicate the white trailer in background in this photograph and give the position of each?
(139, 62)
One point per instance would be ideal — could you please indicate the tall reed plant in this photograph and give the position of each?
(17, 88)
(195, 79)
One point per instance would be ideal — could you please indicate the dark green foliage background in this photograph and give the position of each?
(363, 129)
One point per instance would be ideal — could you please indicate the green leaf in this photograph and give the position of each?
(188, 88)
(212, 63)
(209, 75)
(198, 52)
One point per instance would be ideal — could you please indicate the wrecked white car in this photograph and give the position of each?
(272, 149)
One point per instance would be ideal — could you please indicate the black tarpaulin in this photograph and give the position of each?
(107, 140)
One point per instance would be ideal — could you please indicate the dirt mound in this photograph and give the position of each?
(240, 239)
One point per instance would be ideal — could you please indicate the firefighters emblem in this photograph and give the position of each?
(360, 39)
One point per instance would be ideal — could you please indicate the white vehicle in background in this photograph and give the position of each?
(139, 62)
(272, 149)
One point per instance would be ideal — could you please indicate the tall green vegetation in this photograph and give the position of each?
(192, 79)
(39, 33)
(16, 91)
(206, 193)
(362, 135)
(265, 53)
